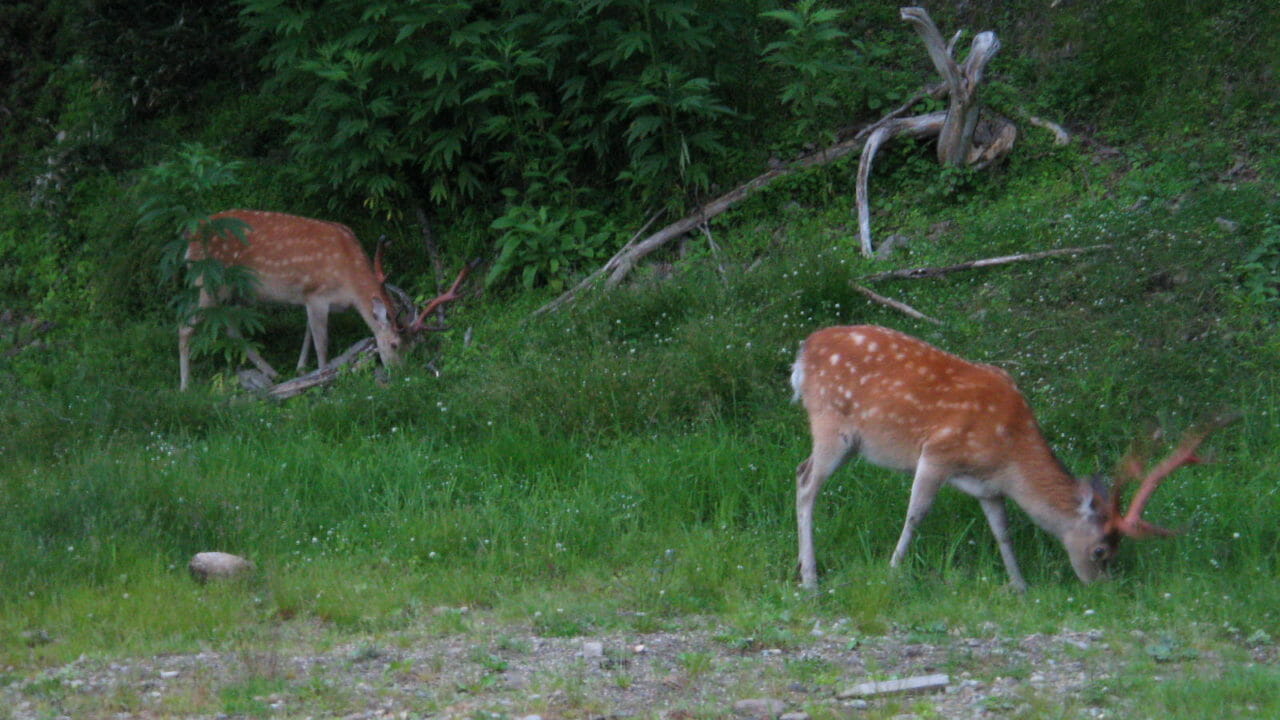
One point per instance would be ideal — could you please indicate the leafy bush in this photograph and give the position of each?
(173, 196)
(1260, 273)
(545, 245)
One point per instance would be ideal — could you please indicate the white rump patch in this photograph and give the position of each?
(797, 378)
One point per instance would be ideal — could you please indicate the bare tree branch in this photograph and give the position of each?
(927, 272)
(896, 305)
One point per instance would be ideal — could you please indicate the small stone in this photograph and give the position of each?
(1229, 226)
(858, 704)
(799, 715)
(759, 708)
(218, 566)
(168, 674)
(593, 649)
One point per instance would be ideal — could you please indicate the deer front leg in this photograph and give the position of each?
(998, 519)
(924, 488)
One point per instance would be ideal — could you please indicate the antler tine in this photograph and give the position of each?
(1129, 469)
(377, 260)
(1184, 454)
(447, 296)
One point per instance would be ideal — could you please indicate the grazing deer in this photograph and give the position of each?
(904, 404)
(317, 264)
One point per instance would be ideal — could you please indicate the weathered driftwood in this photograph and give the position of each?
(965, 135)
(923, 683)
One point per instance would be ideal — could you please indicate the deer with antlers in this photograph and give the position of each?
(314, 263)
(904, 404)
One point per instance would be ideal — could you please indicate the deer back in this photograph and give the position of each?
(297, 259)
(900, 398)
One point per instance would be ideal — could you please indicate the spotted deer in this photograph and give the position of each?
(904, 404)
(314, 263)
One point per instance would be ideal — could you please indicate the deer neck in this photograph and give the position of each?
(1045, 490)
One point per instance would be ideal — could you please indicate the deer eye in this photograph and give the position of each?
(1100, 553)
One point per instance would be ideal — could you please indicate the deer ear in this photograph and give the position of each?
(379, 311)
(1093, 497)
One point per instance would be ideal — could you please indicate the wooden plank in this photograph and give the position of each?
(921, 683)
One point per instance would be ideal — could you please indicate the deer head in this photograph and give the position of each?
(1092, 548)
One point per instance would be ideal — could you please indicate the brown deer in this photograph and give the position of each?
(904, 404)
(317, 264)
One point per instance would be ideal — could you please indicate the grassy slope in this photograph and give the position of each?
(636, 453)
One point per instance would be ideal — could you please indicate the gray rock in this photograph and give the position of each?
(207, 566)
(759, 708)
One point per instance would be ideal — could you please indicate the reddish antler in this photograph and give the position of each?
(447, 296)
(1131, 523)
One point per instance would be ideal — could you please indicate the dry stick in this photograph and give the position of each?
(896, 305)
(924, 272)
(715, 251)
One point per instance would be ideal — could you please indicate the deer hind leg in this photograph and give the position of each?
(924, 488)
(998, 519)
(830, 449)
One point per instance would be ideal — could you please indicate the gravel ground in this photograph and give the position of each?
(491, 670)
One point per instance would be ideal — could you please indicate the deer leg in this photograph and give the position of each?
(318, 328)
(184, 340)
(306, 348)
(924, 488)
(998, 519)
(184, 355)
(829, 453)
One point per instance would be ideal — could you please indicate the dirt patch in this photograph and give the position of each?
(490, 670)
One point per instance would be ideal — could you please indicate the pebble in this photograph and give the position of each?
(759, 707)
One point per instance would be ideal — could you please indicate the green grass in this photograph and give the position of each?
(629, 464)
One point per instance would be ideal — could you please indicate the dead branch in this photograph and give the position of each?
(927, 272)
(895, 304)
(359, 353)
(918, 126)
(618, 266)
(965, 135)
